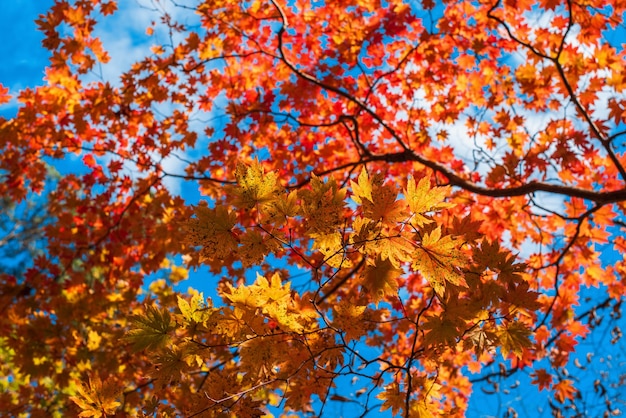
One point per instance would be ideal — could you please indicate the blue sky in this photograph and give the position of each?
(24, 62)
(24, 59)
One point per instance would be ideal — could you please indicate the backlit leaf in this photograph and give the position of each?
(212, 229)
(151, 330)
(440, 260)
(564, 390)
(393, 398)
(380, 280)
(254, 186)
(423, 199)
(513, 338)
(363, 189)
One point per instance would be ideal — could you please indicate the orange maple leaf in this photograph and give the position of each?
(564, 390)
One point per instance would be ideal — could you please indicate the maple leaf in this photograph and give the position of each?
(285, 206)
(480, 339)
(152, 329)
(254, 247)
(259, 356)
(194, 311)
(244, 295)
(93, 340)
(281, 306)
(541, 378)
(422, 410)
(380, 280)
(347, 317)
(231, 322)
(97, 399)
(490, 255)
(364, 233)
(322, 206)
(521, 296)
(169, 365)
(212, 229)
(440, 260)
(564, 390)
(513, 338)
(254, 186)
(423, 199)
(272, 298)
(108, 8)
(550, 4)
(362, 189)
(617, 111)
(442, 331)
(467, 228)
(384, 205)
(393, 398)
(4, 96)
(273, 289)
(286, 318)
(331, 245)
(396, 249)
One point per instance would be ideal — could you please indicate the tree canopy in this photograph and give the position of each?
(394, 204)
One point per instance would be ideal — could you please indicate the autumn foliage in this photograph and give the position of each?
(399, 203)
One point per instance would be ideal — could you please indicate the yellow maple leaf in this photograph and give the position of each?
(365, 231)
(171, 364)
(396, 249)
(421, 409)
(242, 296)
(254, 186)
(286, 319)
(441, 331)
(97, 398)
(362, 189)
(423, 199)
(331, 245)
(274, 289)
(231, 322)
(440, 260)
(260, 292)
(93, 341)
(323, 205)
(196, 310)
(281, 306)
(260, 356)
(285, 206)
